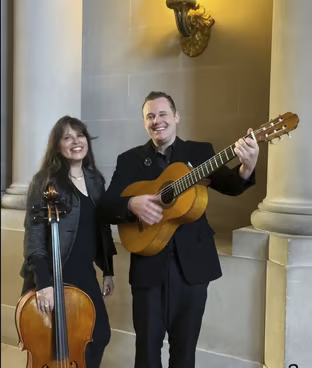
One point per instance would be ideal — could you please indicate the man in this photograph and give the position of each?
(169, 289)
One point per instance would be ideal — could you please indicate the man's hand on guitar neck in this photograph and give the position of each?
(247, 151)
(147, 208)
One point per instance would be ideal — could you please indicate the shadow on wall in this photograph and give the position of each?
(226, 91)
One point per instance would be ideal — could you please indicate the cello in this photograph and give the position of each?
(57, 339)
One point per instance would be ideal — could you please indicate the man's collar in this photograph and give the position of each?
(172, 145)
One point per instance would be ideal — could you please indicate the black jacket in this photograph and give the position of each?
(194, 242)
(37, 237)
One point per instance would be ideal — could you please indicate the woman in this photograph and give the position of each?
(69, 165)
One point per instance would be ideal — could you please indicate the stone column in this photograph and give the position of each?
(287, 207)
(47, 82)
(286, 212)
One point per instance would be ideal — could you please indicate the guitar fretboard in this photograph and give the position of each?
(202, 171)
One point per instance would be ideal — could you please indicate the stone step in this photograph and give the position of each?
(12, 357)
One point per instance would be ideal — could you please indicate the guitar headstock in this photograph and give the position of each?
(277, 127)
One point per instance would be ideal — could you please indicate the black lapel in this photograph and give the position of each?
(89, 178)
(148, 162)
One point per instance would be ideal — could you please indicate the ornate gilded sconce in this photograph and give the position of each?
(194, 25)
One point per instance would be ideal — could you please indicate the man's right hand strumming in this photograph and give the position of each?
(147, 208)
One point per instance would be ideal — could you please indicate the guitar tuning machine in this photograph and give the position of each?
(289, 135)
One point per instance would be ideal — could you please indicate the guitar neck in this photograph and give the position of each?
(205, 169)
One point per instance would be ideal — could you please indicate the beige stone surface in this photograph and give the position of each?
(134, 48)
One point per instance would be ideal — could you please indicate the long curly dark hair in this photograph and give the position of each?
(54, 164)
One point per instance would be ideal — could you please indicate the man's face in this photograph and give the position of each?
(160, 121)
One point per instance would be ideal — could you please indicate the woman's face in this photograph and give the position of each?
(73, 145)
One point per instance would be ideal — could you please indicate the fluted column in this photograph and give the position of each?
(287, 207)
(47, 82)
(6, 91)
(286, 212)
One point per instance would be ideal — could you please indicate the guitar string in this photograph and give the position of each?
(192, 177)
(183, 179)
(165, 192)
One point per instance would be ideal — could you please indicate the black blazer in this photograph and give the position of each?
(37, 237)
(194, 242)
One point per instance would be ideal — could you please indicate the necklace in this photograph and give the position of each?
(76, 177)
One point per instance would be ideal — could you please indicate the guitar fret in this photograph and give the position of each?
(203, 170)
(180, 186)
(215, 160)
(187, 181)
(233, 153)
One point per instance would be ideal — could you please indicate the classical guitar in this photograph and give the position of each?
(183, 199)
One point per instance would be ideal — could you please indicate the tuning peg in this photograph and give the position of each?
(281, 138)
(289, 135)
(272, 142)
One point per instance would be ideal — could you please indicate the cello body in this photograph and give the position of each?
(36, 333)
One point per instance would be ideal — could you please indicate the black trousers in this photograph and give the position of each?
(101, 333)
(175, 307)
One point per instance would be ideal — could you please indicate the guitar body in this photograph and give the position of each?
(143, 239)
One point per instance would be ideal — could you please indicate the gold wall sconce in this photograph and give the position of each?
(193, 24)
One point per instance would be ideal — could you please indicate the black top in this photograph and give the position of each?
(37, 265)
(83, 251)
(163, 161)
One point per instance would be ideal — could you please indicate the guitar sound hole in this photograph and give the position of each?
(167, 195)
